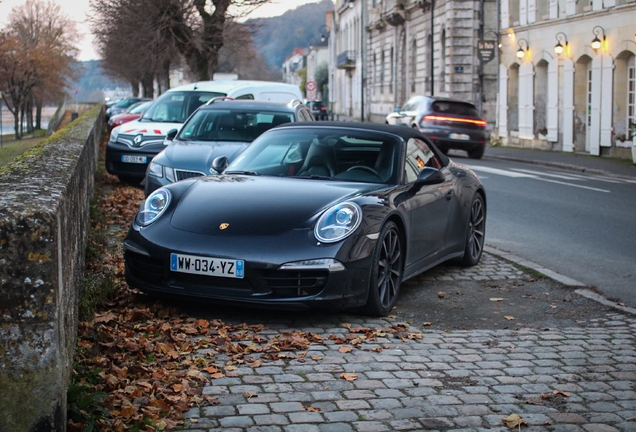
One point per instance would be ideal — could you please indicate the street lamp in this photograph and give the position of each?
(521, 52)
(596, 42)
(324, 33)
(558, 48)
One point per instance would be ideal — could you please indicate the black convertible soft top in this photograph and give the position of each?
(404, 132)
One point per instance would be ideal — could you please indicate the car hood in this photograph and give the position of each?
(257, 206)
(137, 127)
(198, 155)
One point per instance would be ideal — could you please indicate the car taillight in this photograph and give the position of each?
(437, 118)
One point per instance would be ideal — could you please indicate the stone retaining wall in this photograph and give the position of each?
(44, 220)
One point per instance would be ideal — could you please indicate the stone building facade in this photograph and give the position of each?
(385, 51)
(567, 78)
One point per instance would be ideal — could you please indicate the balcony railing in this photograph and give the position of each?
(346, 60)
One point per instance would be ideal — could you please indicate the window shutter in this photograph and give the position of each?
(607, 65)
(553, 101)
(568, 105)
(597, 5)
(503, 101)
(554, 9)
(532, 11)
(505, 14)
(570, 7)
(594, 130)
(523, 12)
(609, 3)
(526, 96)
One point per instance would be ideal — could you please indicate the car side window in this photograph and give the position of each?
(418, 156)
(245, 97)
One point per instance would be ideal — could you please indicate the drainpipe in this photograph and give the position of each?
(363, 55)
(432, 48)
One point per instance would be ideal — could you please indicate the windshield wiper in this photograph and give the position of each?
(315, 177)
(253, 173)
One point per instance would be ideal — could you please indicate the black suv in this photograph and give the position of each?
(221, 128)
(318, 110)
(449, 123)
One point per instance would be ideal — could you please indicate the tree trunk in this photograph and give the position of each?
(134, 88)
(147, 85)
(38, 117)
(16, 124)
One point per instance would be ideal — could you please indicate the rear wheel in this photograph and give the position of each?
(476, 153)
(476, 232)
(386, 272)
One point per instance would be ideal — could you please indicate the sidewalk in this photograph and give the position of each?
(572, 161)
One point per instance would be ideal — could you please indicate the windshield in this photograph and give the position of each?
(231, 125)
(322, 153)
(138, 109)
(177, 106)
(457, 108)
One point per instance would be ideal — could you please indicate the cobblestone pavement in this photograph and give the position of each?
(390, 376)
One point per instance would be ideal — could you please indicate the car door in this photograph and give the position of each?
(429, 206)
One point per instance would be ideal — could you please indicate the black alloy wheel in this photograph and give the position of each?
(386, 272)
(476, 232)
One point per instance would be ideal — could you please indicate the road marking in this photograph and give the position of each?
(531, 176)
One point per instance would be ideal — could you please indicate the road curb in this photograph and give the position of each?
(564, 166)
(565, 280)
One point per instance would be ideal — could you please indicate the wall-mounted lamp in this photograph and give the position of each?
(351, 3)
(324, 33)
(559, 48)
(521, 52)
(596, 42)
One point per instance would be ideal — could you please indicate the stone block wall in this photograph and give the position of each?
(44, 221)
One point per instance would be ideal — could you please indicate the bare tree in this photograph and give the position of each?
(37, 51)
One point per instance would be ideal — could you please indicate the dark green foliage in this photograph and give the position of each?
(277, 37)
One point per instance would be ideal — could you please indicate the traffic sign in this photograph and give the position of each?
(310, 86)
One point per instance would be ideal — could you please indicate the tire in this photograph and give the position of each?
(476, 234)
(476, 153)
(386, 272)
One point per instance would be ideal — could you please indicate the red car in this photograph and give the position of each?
(133, 113)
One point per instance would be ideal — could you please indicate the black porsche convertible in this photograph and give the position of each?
(327, 214)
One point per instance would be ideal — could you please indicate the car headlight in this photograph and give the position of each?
(158, 170)
(114, 135)
(153, 207)
(338, 222)
(154, 169)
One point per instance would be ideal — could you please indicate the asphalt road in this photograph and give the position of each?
(577, 224)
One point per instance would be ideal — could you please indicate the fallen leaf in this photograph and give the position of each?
(459, 293)
(349, 376)
(562, 393)
(345, 349)
(427, 324)
(315, 357)
(620, 304)
(249, 395)
(193, 420)
(161, 425)
(496, 299)
(513, 421)
(312, 409)
(553, 306)
(509, 318)
(441, 294)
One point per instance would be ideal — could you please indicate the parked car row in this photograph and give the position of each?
(249, 200)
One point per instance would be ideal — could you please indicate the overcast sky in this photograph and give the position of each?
(77, 10)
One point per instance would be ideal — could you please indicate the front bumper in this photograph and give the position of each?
(148, 268)
(116, 152)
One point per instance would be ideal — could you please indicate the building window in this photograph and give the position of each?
(375, 73)
(413, 65)
(382, 73)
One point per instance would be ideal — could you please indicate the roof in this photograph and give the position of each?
(225, 86)
(251, 105)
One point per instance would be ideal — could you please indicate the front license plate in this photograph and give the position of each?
(207, 266)
(134, 159)
(457, 136)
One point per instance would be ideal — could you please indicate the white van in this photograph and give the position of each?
(132, 145)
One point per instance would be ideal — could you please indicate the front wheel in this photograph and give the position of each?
(476, 232)
(476, 153)
(386, 272)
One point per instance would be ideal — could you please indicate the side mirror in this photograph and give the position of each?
(170, 136)
(219, 164)
(397, 109)
(430, 176)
